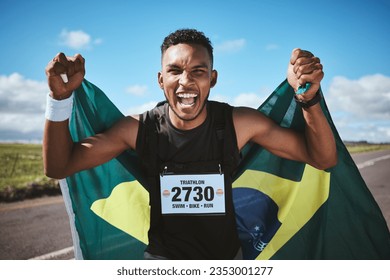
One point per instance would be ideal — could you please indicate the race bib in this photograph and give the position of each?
(201, 194)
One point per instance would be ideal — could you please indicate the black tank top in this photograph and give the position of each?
(200, 150)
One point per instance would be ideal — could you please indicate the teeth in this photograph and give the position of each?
(187, 99)
(187, 105)
(187, 95)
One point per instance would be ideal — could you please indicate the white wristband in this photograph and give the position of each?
(58, 110)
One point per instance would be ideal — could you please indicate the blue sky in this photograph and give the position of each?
(120, 41)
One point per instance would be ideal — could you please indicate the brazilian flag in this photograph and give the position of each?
(284, 209)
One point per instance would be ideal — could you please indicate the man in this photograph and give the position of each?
(188, 136)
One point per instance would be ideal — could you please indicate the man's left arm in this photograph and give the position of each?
(304, 68)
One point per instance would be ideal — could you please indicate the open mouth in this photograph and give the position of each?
(187, 99)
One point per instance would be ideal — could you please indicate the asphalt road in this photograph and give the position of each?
(34, 228)
(375, 170)
(39, 228)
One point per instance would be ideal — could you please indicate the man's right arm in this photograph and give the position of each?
(61, 156)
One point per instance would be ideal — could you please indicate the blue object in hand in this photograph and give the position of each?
(302, 89)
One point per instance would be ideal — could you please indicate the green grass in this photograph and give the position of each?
(20, 163)
(361, 148)
(21, 172)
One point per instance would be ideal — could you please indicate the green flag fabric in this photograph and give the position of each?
(284, 209)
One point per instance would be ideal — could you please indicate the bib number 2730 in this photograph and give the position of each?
(192, 194)
(198, 193)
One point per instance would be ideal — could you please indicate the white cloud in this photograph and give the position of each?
(22, 107)
(77, 39)
(138, 90)
(230, 46)
(368, 96)
(361, 108)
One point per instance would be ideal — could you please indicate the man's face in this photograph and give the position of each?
(186, 78)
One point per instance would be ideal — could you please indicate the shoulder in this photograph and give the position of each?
(249, 124)
(132, 129)
(244, 118)
(128, 123)
(221, 114)
(246, 114)
(153, 114)
(219, 105)
(220, 110)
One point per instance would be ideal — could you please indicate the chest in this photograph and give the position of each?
(198, 145)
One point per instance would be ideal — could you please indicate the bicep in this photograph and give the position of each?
(102, 147)
(253, 126)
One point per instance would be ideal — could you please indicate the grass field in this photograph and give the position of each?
(21, 170)
(360, 148)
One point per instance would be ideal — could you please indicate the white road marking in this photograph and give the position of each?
(371, 162)
(54, 255)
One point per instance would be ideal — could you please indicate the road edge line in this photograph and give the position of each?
(54, 254)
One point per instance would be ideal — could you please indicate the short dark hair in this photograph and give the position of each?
(188, 36)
